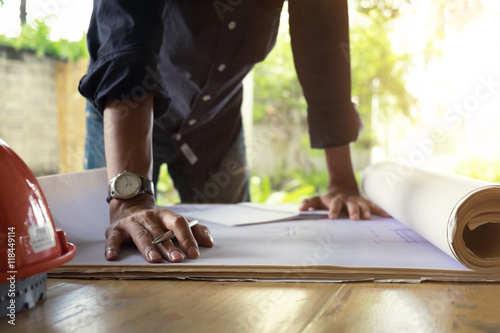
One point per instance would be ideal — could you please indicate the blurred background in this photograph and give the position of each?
(425, 79)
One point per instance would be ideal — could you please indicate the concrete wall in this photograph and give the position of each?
(28, 108)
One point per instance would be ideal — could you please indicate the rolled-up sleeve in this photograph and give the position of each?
(124, 40)
(320, 41)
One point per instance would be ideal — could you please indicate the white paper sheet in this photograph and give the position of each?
(383, 243)
(252, 213)
(78, 206)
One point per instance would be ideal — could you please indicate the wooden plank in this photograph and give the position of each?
(424, 307)
(71, 115)
(200, 306)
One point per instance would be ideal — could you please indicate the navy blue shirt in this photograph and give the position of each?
(193, 54)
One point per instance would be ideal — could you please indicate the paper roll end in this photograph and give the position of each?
(475, 238)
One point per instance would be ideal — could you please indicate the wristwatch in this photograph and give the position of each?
(127, 185)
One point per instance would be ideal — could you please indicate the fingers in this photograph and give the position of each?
(183, 234)
(364, 210)
(357, 207)
(314, 203)
(142, 226)
(378, 211)
(335, 207)
(202, 235)
(142, 239)
(170, 251)
(353, 209)
(140, 235)
(113, 242)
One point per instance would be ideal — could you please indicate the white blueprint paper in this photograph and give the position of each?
(383, 243)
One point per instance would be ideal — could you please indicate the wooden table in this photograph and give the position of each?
(198, 306)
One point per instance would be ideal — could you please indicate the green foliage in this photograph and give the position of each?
(290, 188)
(35, 37)
(294, 190)
(376, 70)
(260, 188)
(165, 189)
(479, 168)
(276, 85)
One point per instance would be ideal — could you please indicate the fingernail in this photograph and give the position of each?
(153, 256)
(193, 252)
(176, 256)
(110, 254)
(210, 236)
(355, 216)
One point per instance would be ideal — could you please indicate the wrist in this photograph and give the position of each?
(120, 207)
(349, 183)
(340, 170)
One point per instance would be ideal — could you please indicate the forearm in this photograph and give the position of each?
(338, 160)
(128, 129)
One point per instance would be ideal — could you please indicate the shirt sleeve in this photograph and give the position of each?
(319, 32)
(124, 40)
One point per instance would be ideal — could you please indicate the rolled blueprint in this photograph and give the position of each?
(459, 215)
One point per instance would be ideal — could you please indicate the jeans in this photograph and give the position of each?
(228, 184)
(94, 156)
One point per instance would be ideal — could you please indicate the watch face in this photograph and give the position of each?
(127, 184)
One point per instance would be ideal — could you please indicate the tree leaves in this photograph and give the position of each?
(36, 37)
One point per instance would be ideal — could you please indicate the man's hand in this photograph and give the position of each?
(128, 129)
(340, 199)
(343, 194)
(138, 221)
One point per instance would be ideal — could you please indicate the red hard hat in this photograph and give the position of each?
(29, 241)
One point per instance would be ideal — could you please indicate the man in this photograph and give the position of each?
(166, 78)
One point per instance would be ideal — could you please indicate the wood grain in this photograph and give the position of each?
(198, 306)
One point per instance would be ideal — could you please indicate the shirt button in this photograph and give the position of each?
(206, 98)
(221, 67)
(178, 137)
(231, 25)
(192, 122)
